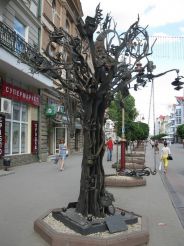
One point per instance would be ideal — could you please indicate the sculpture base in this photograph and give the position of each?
(88, 225)
(56, 233)
(124, 181)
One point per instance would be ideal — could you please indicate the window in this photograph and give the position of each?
(27, 3)
(34, 8)
(20, 29)
(16, 130)
(178, 120)
(178, 112)
(7, 137)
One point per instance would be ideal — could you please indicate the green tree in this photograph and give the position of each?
(159, 136)
(180, 131)
(137, 131)
(115, 112)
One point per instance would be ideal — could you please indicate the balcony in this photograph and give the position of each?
(13, 42)
(13, 48)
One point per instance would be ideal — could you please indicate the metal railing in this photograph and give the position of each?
(25, 53)
(13, 42)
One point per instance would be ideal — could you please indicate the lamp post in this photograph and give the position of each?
(123, 140)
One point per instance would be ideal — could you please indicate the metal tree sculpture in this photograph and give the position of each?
(113, 60)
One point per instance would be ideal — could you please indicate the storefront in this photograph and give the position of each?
(19, 110)
(56, 122)
(59, 128)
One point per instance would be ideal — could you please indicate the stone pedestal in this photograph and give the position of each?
(124, 181)
(56, 236)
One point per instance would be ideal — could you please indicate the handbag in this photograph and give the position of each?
(169, 157)
(56, 159)
(160, 166)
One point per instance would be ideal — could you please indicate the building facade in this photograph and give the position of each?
(58, 13)
(110, 130)
(177, 117)
(33, 116)
(162, 124)
(168, 124)
(20, 28)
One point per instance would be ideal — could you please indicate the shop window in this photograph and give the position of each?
(7, 137)
(16, 111)
(24, 113)
(15, 138)
(24, 138)
(16, 130)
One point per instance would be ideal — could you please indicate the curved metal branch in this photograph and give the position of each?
(161, 74)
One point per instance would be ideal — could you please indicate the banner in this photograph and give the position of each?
(18, 94)
(2, 135)
(34, 137)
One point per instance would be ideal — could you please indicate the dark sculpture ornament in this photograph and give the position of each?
(91, 72)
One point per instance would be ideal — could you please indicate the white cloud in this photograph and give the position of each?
(155, 13)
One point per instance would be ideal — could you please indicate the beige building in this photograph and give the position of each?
(28, 132)
(58, 13)
(20, 26)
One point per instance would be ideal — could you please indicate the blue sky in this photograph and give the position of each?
(164, 18)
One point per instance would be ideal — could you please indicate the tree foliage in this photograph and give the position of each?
(115, 112)
(137, 131)
(180, 131)
(159, 136)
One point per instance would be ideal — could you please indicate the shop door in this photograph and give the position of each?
(60, 132)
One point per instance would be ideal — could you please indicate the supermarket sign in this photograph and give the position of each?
(19, 94)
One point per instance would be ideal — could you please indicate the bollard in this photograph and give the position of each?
(6, 163)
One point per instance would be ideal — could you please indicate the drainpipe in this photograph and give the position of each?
(40, 8)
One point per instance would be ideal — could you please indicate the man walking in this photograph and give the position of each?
(109, 149)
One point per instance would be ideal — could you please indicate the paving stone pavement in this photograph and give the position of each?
(33, 189)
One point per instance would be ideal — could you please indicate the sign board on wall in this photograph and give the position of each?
(19, 94)
(2, 135)
(34, 137)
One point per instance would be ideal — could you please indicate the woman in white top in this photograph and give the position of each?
(164, 154)
(62, 154)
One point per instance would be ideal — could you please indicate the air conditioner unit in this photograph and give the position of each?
(5, 105)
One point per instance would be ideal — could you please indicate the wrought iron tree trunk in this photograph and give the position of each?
(92, 175)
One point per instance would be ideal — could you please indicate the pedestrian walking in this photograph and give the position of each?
(152, 143)
(109, 145)
(165, 152)
(62, 154)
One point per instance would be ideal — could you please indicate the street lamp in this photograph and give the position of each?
(177, 82)
(145, 74)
